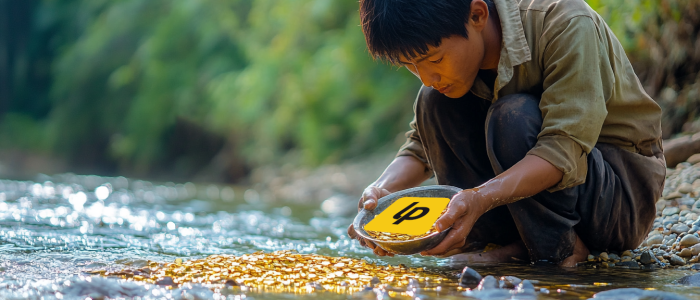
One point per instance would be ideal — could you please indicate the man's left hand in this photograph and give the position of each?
(462, 212)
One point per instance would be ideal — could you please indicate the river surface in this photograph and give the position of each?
(55, 229)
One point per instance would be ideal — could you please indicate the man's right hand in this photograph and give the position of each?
(368, 201)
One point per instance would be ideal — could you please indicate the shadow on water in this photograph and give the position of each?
(54, 230)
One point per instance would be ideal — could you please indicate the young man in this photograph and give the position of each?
(532, 107)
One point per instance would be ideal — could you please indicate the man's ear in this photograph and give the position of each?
(478, 14)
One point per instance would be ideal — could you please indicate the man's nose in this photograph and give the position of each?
(428, 77)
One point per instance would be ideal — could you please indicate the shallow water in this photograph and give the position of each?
(54, 230)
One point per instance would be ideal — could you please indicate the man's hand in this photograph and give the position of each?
(368, 201)
(462, 212)
(528, 177)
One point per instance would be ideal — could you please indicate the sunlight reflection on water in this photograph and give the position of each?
(55, 229)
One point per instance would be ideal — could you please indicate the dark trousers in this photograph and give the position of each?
(468, 141)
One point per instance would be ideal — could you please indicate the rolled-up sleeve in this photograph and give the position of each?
(576, 71)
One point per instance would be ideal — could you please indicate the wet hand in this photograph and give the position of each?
(370, 197)
(368, 201)
(461, 214)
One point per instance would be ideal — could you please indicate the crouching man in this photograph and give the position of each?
(532, 107)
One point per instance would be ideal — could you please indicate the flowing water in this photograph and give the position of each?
(53, 231)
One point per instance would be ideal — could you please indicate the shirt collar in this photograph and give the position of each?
(512, 30)
(514, 48)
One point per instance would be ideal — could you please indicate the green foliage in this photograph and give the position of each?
(270, 76)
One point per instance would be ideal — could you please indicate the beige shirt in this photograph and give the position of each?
(562, 51)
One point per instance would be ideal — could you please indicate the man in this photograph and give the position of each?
(532, 107)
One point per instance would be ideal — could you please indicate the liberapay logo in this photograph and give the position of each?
(409, 215)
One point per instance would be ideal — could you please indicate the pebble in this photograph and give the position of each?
(670, 211)
(689, 240)
(654, 240)
(647, 258)
(695, 249)
(603, 256)
(685, 188)
(627, 253)
(676, 260)
(469, 278)
(685, 253)
(679, 228)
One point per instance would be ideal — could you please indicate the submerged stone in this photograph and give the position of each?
(690, 280)
(469, 278)
(488, 283)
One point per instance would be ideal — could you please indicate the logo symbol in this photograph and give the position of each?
(409, 216)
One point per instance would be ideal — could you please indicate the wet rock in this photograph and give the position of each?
(469, 278)
(689, 240)
(627, 253)
(167, 281)
(630, 264)
(695, 267)
(685, 188)
(590, 258)
(613, 256)
(634, 293)
(526, 287)
(690, 280)
(375, 280)
(488, 283)
(655, 240)
(509, 282)
(603, 256)
(679, 228)
(676, 260)
(685, 253)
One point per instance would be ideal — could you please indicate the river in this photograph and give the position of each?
(56, 229)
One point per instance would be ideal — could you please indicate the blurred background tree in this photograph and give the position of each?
(211, 88)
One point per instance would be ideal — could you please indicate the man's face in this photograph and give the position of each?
(452, 67)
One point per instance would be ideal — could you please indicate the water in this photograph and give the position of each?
(54, 230)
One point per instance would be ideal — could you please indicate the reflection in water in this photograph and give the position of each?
(54, 231)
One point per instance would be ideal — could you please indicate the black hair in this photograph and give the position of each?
(407, 27)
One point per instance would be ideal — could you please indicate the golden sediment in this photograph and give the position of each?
(390, 236)
(279, 271)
